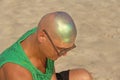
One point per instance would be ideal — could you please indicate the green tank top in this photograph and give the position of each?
(15, 54)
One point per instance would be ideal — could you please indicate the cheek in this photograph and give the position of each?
(51, 53)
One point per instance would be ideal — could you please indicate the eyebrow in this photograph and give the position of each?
(61, 47)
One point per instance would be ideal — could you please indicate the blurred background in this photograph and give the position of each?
(98, 26)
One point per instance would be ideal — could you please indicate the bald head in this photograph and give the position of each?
(59, 26)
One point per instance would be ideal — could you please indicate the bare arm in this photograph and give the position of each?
(54, 76)
(12, 71)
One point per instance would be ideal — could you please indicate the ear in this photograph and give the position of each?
(41, 37)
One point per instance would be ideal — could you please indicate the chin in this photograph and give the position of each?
(54, 58)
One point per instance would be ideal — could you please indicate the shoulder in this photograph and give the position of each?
(10, 71)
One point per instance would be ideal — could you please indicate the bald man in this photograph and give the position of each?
(32, 56)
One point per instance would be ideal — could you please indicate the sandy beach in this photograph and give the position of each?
(98, 26)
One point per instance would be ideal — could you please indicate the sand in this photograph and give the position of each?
(98, 26)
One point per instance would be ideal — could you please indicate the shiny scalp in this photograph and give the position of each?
(60, 26)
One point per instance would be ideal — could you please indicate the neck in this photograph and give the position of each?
(32, 50)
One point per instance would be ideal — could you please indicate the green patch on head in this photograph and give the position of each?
(65, 31)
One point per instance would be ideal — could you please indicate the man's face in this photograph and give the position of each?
(59, 50)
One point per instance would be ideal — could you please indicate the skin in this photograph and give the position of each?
(37, 45)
